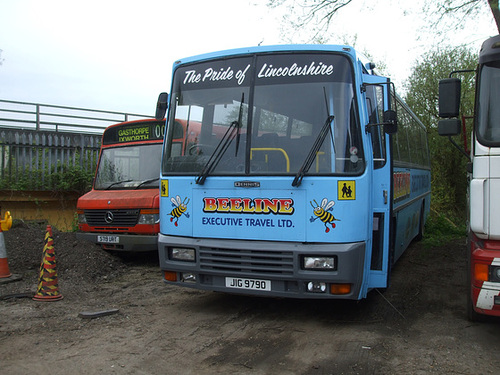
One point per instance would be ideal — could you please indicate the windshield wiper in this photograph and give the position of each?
(218, 153)
(312, 152)
(232, 132)
(117, 183)
(146, 182)
(240, 115)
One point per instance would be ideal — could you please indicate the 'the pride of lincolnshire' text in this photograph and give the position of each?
(192, 76)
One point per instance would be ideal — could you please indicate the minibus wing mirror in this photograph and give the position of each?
(161, 106)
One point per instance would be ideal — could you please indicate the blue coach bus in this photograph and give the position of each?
(303, 174)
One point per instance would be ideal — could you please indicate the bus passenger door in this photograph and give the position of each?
(377, 101)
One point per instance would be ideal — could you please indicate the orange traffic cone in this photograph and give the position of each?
(48, 285)
(5, 275)
(4, 264)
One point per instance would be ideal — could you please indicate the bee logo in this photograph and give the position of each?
(180, 208)
(321, 212)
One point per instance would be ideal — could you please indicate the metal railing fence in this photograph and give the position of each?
(36, 116)
(49, 147)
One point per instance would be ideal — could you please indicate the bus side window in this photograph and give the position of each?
(403, 140)
(374, 105)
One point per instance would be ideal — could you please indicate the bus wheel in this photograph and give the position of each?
(421, 224)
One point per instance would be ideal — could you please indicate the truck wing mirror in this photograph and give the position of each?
(449, 127)
(449, 97)
(161, 106)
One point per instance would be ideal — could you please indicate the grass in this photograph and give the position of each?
(440, 229)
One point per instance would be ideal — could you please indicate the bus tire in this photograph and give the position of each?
(421, 224)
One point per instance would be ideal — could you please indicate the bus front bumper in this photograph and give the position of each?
(264, 268)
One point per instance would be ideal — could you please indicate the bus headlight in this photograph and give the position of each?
(182, 254)
(188, 277)
(318, 263)
(150, 217)
(316, 287)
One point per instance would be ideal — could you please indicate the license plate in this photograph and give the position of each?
(108, 239)
(251, 284)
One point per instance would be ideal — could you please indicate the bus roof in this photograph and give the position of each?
(272, 48)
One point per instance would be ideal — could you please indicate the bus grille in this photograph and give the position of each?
(261, 262)
(112, 218)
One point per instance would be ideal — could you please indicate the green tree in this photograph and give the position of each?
(449, 181)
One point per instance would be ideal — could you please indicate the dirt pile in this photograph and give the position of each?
(84, 263)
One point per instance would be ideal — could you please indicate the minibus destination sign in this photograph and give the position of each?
(134, 132)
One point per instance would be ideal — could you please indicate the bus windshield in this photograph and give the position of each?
(264, 114)
(488, 113)
(129, 167)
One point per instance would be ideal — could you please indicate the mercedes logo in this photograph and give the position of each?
(108, 217)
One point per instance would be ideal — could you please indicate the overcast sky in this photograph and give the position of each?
(118, 55)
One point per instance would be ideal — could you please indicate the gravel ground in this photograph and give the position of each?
(417, 326)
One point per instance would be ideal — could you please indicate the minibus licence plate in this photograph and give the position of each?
(252, 284)
(108, 239)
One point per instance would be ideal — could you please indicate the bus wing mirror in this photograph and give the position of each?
(449, 97)
(449, 127)
(161, 106)
(390, 122)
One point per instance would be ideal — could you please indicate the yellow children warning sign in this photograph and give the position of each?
(346, 190)
(164, 188)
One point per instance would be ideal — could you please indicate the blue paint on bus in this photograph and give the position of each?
(290, 181)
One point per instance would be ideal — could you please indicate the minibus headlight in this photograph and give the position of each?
(182, 254)
(150, 217)
(318, 263)
(81, 217)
